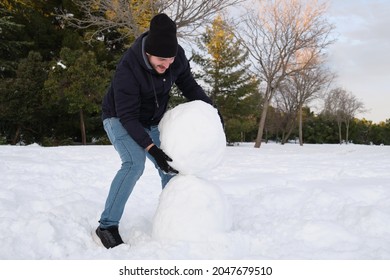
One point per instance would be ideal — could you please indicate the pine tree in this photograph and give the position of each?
(77, 83)
(11, 45)
(22, 100)
(229, 84)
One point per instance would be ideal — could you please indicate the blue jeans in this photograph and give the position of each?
(133, 158)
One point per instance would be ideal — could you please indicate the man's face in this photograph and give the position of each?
(160, 64)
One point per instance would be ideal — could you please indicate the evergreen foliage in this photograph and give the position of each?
(11, 44)
(21, 99)
(77, 83)
(230, 86)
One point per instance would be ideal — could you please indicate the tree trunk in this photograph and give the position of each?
(269, 92)
(283, 141)
(340, 138)
(289, 131)
(346, 132)
(17, 135)
(300, 127)
(82, 128)
(261, 125)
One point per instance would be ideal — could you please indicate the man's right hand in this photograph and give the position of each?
(162, 159)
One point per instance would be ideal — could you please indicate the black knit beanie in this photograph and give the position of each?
(162, 40)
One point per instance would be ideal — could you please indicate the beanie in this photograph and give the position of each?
(161, 40)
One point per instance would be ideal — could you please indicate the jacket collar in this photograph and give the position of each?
(138, 49)
(144, 56)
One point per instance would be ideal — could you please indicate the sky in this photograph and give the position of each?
(360, 57)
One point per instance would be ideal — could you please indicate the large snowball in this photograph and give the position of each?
(191, 209)
(192, 135)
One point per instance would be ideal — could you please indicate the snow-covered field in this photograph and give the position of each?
(286, 202)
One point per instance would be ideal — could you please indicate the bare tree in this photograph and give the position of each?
(333, 107)
(101, 17)
(342, 106)
(286, 102)
(275, 32)
(352, 107)
(302, 87)
(131, 17)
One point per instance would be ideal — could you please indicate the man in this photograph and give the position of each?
(132, 109)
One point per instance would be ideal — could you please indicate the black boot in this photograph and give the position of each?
(109, 236)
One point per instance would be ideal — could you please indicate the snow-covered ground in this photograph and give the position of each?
(286, 202)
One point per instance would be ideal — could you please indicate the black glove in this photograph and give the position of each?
(162, 160)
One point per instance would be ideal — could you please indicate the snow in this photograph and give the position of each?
(60, 63)
(286, 202)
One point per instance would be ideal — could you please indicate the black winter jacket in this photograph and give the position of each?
(139, 96)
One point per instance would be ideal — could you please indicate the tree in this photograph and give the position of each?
(300, 88)
(319, 130)
(342, 106)
(333, 108)
(273, 125)
(131, 17)
(276, 31)
(225, 71)
(361, 131)
(112, 21)
(79, 83)
(21, 99)
(287, 106)
(380, 133)
(353, 107)
(40, 24)
(11, 44)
